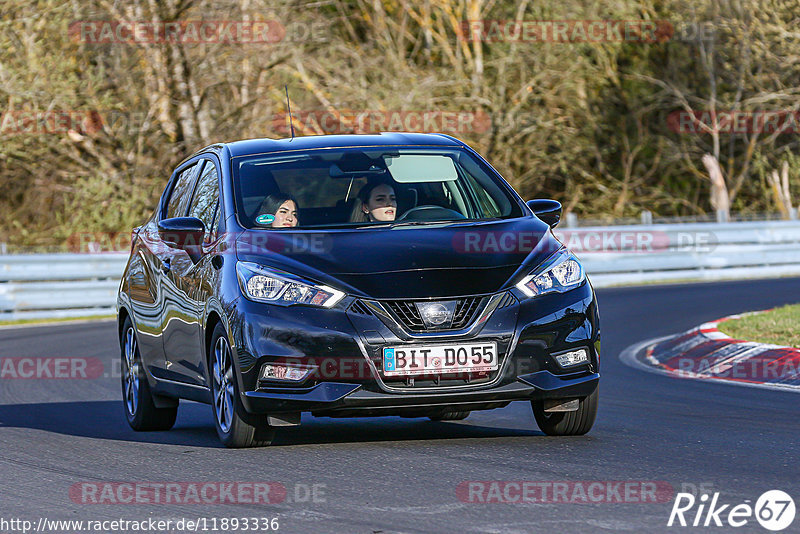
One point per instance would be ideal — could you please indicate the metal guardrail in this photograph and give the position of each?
(75, 285)
(39, 286)
(47, 267)
(676, 252)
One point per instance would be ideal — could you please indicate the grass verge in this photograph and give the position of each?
(20, 322)
(778, 326)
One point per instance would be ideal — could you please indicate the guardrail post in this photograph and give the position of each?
(572, 220)
(647, 217)
(722, 216)
(3, 248)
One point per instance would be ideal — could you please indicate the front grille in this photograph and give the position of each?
(406, 312)
(465, 310)
(507, 300)
(360, 308)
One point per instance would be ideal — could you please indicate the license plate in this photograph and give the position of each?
(439, 359)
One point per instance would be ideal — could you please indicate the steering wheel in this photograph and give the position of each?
(430, 212)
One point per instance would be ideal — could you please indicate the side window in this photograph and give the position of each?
(206, 197)
(181, 193)
(215, 224)
(486, 203)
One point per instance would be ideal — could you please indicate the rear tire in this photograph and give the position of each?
(575, 423)
(137, 400)
(450, 416)
(235, 427)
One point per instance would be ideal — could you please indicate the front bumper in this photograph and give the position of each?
(342, 399)
(528, 333)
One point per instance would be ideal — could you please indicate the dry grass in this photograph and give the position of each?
(778, 326)
(56, 320)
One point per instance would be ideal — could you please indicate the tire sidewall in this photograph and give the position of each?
(240, 430)
(568, 423)
(144, 390)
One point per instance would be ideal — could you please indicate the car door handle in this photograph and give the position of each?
(166, 267)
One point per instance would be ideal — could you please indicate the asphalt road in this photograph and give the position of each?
(400, 475)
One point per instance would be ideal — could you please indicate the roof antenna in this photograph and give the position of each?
(289, 108)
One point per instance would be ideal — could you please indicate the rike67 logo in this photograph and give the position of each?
(774, 510)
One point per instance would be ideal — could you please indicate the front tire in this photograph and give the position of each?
(140, 410)
(235, 427)
(575, 423)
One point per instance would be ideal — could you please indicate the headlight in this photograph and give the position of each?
(267, 285)
(562, 274)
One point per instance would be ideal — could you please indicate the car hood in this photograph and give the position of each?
(429, 261)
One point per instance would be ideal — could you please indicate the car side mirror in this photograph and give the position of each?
(549, 211)
(185, 233)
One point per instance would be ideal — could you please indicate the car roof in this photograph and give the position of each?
(262, 146)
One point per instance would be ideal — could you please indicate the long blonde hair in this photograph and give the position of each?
(362, 199)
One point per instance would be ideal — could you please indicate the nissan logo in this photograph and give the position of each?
(435, 313)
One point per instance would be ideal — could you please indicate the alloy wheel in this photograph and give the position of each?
(223, 384)
(131, 371)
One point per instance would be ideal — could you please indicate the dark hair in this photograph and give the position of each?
(362, 198)
(271, 204)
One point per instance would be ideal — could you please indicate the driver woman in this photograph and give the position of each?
(375, 202)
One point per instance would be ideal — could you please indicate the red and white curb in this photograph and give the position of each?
(705, 353)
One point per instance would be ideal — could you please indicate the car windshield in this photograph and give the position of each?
(367, 187)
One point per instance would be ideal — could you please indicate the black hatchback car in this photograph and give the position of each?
(354, 275)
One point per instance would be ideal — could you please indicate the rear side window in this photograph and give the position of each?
(206, 197)
(181, 193)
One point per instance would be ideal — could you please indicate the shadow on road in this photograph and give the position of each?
(106, 420)
(194, 427)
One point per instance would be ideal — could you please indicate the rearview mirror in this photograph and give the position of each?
(185, 233)
(336, 172)
(549, 211)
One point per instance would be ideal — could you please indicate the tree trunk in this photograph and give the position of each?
(720, 200)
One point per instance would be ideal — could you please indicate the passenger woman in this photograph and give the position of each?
(278, 211)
